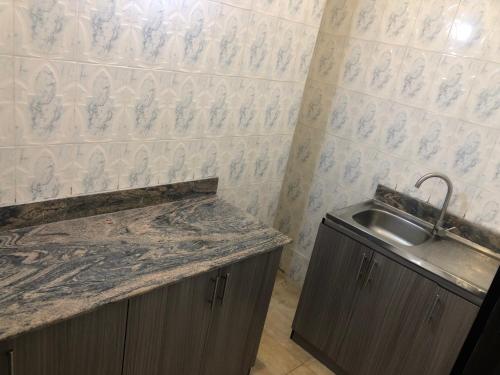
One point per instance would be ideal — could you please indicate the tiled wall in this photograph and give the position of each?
(98, 95)
(397, 88)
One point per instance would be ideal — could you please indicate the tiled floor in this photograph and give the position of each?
(278, 355)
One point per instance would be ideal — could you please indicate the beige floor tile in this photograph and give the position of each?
(278, 355)
(302, 370)
(317, 367)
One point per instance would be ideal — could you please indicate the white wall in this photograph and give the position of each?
(100, 95)
(397, 88)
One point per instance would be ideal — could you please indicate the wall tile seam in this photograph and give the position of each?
(252, 9)
(148, 141)
(148, 70)
(410, 46)
(404, 104)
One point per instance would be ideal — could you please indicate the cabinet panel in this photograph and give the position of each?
(5, 356)
(441, 334)
(394, 330)
(167, 328)
(242, 301)
(376, 318)
(91, 344)
(337, 268)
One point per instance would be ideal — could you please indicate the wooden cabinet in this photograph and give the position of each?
(335, 274)
(167, 328)
(91, 344)
(382, 318)
(440, 335)
(208, 324)
(242, 299)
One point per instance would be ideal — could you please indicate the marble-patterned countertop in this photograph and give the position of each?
(55, 271)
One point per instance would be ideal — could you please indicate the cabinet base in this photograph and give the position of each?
(316, 353)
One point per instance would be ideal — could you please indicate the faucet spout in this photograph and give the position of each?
(438, 227)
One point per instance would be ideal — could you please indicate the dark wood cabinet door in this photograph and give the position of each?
(387, 319)
(91, 344)
(167, 328)
(441, 334)
(243, 297)
(6, 348)
(336, 271)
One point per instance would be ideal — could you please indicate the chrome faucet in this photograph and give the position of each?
(438, 227)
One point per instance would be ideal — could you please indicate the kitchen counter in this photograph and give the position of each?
(54, 271)
(466, 270)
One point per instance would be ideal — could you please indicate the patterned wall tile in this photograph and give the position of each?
(229, 37)
(6, 26)
(491, 176)
(314, 12)
(194, 38)
(483, 105)
(103, 92)
(294, 10)
(327, 60)
(452, 84)
(104, 31)
(367, 18)
(354, 68)
(46, 28)
(44, 172)
(271, 7)
(97, 167)
(471, 27)
(486, 209)
(248, 102)
(7, 133)
(383, 69)
(147, 104)
(337, 17)
(138, 167)
(220, 109)
(433, 24)
(153, 24)
(7, 175)
(468, 155)
(188, 100)
(259, 45)
(416, 77)
(399, 20)
(45, 95)
(306, 42)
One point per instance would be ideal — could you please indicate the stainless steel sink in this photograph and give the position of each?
(391, 227)
(462, 263)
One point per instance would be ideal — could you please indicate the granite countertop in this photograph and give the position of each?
(54, 271)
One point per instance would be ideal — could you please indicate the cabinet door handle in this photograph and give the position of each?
(361, 267)
(211, 301)
(10, 354)
(226, 281)
(370, 273)
(430, 315)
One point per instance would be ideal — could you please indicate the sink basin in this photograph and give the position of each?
(392, 227)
